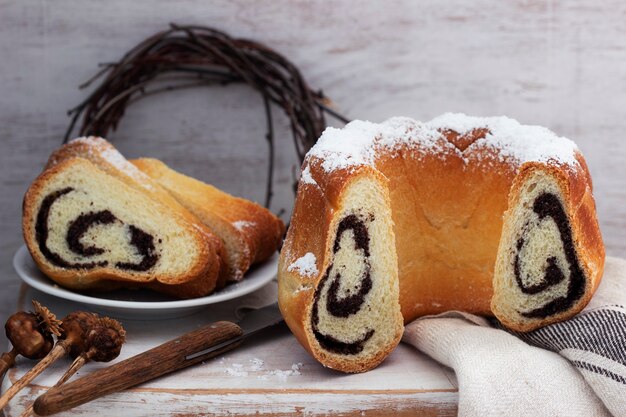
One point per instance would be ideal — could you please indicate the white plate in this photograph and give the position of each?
(142, 304)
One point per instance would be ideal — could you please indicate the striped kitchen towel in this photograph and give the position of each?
(594, 342)
(573, 368)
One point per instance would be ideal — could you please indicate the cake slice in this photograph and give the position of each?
(338, 281)
(107, 158)
(88, 230)
(547, 266)
(250, 232)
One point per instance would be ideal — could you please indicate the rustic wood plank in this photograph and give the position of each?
(271, 374)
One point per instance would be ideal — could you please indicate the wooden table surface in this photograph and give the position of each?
(269, 375)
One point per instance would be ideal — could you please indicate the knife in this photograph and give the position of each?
(193, 347)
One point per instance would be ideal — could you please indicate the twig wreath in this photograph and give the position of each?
(193, 56)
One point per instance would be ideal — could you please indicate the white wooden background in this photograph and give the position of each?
(561, 64)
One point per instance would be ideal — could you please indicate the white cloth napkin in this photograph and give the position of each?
(573, 368)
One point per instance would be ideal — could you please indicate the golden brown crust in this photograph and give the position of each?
(576, 188)
(106, 157)
(312, 212)
(447, 227)
(434, 224)
(194, 283)
(258, 231)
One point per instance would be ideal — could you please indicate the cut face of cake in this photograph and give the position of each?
(539, 274)
(343, 291)
(87, 230)
(355, 318)
(70, 237)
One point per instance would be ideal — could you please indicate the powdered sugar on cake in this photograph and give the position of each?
(350, 146)
(357, 144)
(88, 140)
(306, 177)
(242, 224)
(510, 139)
(305, 265)
(116, 159)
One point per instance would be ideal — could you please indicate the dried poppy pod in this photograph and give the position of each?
(30, 334)
(74, 330)
(103, 344)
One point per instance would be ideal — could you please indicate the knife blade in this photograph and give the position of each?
(193, 347)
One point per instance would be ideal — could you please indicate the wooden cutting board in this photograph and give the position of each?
(270, 375)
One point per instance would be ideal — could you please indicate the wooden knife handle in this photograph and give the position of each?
(143, 367)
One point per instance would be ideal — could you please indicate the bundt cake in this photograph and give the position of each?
(88, 230)
(250, 233)
(402, 219)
